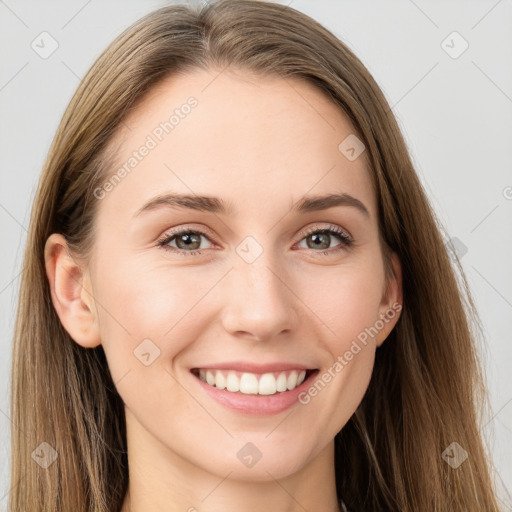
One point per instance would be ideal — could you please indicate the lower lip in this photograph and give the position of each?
(256, 404)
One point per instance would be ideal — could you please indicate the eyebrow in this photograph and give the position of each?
(216, 205)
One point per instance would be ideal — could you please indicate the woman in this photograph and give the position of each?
(236, 295)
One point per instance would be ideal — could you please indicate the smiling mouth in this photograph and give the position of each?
(248, 383)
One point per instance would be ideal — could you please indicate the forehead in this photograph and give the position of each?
(245, 138)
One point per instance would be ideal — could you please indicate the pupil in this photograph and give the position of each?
(318, 242)
(189, 239)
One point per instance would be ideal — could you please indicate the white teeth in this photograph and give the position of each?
(281, 382)
(232, 383)
(292, 380)
(267, 384)
(251, 383)
(220, 380)
(210, 378)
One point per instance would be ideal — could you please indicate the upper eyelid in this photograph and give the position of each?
(327, 227)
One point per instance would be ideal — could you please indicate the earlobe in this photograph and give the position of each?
(392, 301)
(71, 293)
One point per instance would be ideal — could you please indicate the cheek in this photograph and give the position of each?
(345, 299)
(349, 310)
(148, 308)
(148, 319)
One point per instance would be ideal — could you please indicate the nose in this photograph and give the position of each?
(260, 303)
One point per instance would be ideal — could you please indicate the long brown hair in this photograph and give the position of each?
(427, 388)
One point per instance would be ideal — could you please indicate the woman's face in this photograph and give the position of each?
(251, 286)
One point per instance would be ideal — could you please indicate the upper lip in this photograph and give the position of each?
(246, 366)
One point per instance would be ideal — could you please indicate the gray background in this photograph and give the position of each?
(454, 112)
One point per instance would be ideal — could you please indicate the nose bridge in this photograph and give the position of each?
(260, 303)
(258, 280)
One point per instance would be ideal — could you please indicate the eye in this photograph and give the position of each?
(321, 239)
(185, 239)
(188, 242)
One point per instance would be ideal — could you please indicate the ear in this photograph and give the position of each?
(71, 293)
(392, 301)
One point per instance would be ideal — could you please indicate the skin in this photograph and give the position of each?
(252, 141)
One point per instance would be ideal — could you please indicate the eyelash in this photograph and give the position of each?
(346, 240)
